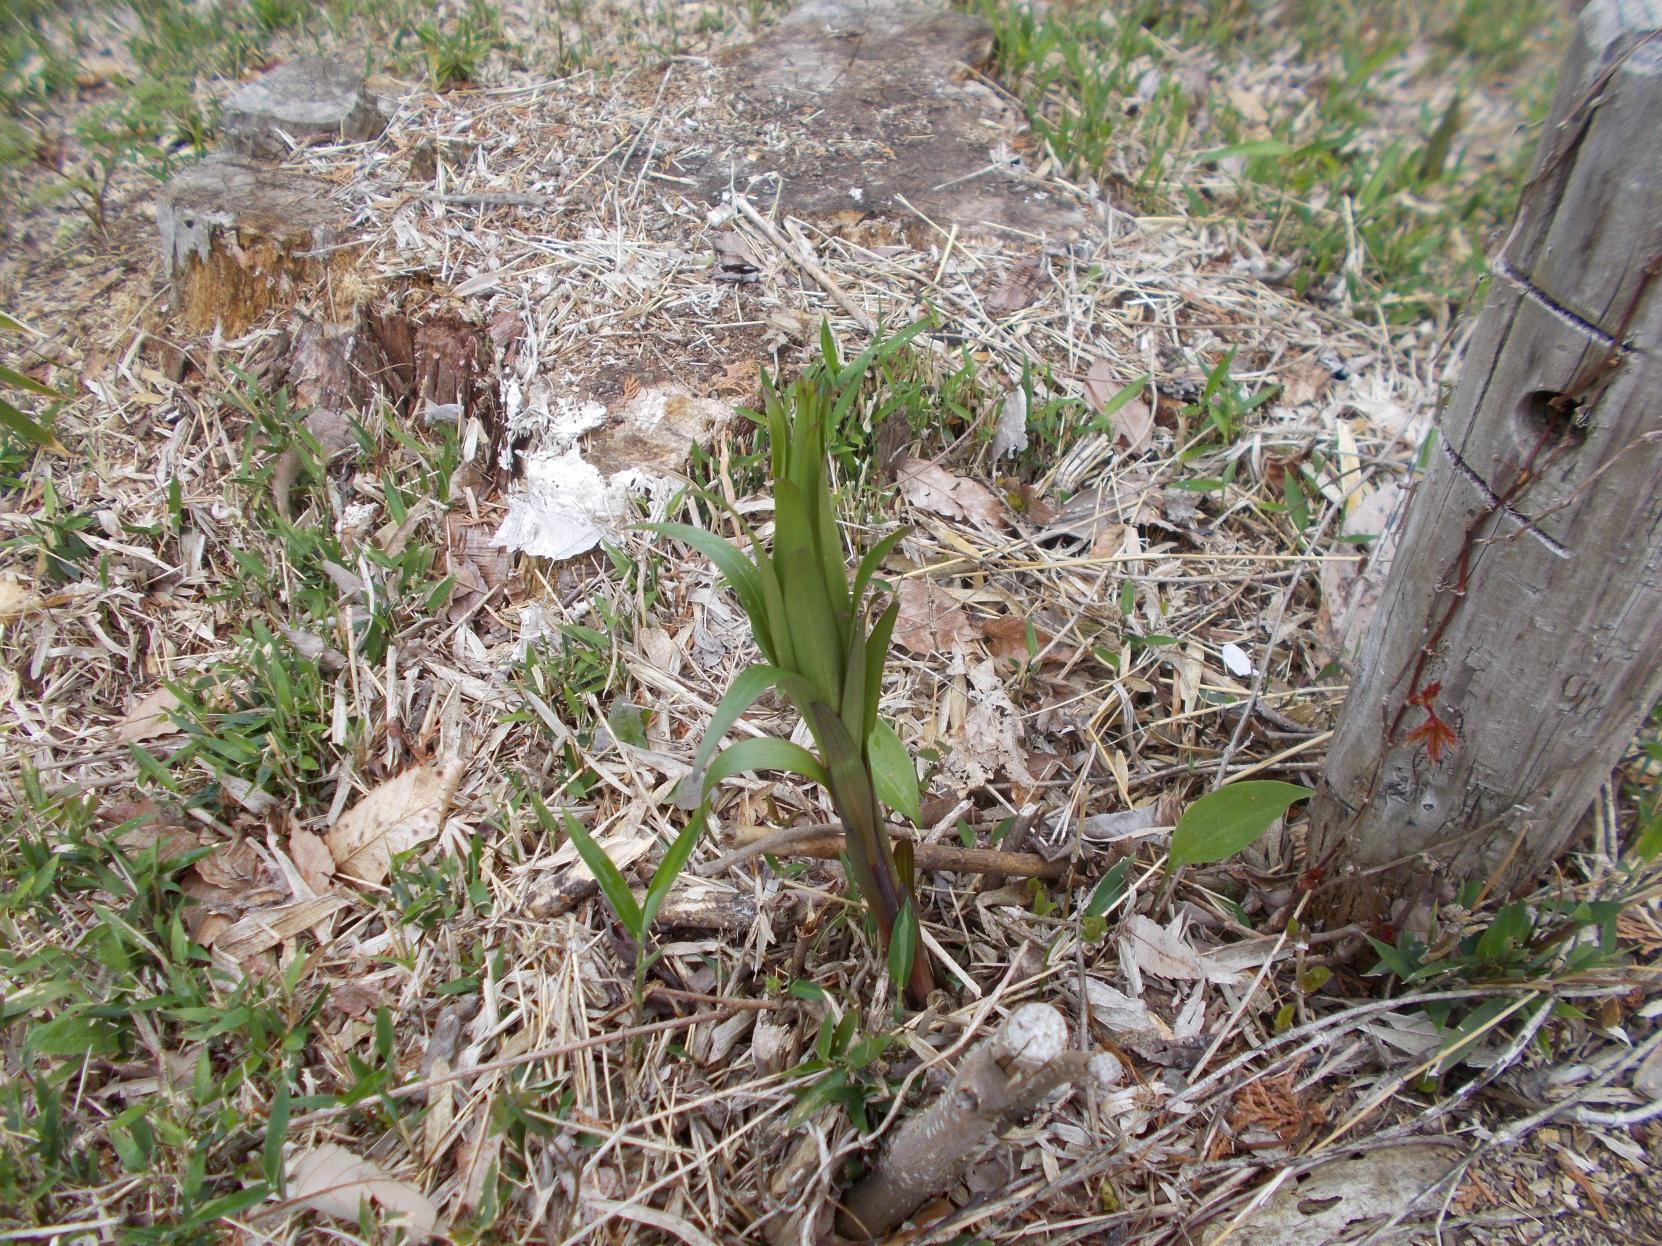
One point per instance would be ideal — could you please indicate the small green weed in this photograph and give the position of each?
(1218, 417)
(455, 54)
(845, 1070)
(265, 717)
(1332, 179)
(13, 421)
(635, 916)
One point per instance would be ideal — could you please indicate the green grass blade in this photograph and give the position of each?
(21, 425)
(606, 874)
(28, 383)
(828, 347)
(893, 773)
(833, 558)
(669, 869)
(766, 753)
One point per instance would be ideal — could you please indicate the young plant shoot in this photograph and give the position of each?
(809, 620)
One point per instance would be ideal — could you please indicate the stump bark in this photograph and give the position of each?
(1516, 649)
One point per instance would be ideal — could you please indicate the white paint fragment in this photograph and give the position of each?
(1235, 659)
(564, 509)
(573, 499)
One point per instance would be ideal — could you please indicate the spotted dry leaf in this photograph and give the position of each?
(930, 618)
(332, 1180)
(932, 488)
(149, 718)
(311, 857)
(398, 815)
(1018, 289)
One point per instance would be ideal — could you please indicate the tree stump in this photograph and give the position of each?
(312, 97)
(1516, 649)
(239, 238)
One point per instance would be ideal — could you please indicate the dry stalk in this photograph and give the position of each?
(999, 1082)
(826, 844)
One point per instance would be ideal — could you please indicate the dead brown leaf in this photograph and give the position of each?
(1133, 422)
(174, 838)
(1099, 383)
(1018, 289)
(1134, 425)
(311, 857)
(930, 618)
(332, 1180)
(15, 599)
(398, 815)
(1304, 382)
(148, 718)
(1011, 435)
(932, 488)
(265, 928)
(234, 867)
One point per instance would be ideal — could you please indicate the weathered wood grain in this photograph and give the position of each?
(1524, 607)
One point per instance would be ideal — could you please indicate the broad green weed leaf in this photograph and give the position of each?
(1108, 891)
(741, 695)
(893, 773)
(877, 655)
(1256, 149)
(28, 384)
(1647, 845)
(21, 425)
(1221, 823)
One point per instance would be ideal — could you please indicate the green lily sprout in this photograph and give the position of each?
(810, 623)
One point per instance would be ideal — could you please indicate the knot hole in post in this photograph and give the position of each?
(1546, 417)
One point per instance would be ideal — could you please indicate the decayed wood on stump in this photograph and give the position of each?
(239, 238)
(1516, 648)
(999, 1082)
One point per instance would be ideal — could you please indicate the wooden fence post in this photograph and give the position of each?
(1519, 641)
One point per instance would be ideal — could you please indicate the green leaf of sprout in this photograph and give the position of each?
(669, 869)
(766, 753)
(606, 874)
(22, 426)
(903, 946)
(1108, 891)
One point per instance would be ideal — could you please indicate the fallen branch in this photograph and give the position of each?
(999, 1082)
(825, 843)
